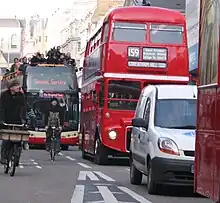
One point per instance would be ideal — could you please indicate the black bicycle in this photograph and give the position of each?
(53, 138)
(15, 134)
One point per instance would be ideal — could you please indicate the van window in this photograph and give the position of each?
(146, 115)
(176, 113)
(139, 104)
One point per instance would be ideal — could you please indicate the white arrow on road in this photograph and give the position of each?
(94, 176)
(89, 174)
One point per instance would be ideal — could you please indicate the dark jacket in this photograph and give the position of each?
(12, 107)
(54, 112)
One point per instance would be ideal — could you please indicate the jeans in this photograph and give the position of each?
(57, 136)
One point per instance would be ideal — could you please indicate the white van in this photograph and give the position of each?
(163, 136)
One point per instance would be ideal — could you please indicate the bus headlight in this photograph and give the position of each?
(112, 134)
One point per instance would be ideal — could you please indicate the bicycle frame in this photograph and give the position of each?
(53, 144)
(13, 152)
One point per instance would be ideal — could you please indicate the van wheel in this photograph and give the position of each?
(100, 153)
(152, 187)
(135, 174)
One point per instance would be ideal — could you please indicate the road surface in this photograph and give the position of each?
(74, 180)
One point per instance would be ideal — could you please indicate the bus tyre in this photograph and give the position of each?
(65, 147)
(101, 156)
(135, 174)
(152, 187)
(82, 148)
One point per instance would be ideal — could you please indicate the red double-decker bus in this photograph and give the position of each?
(134, 47)
(207, 163)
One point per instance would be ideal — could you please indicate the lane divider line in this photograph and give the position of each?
(84, 165)
(70, 158)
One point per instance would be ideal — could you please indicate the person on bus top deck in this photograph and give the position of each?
(15, 67)
(54, 117)
(12, 110)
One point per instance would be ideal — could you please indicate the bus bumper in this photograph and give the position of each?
(67, 138)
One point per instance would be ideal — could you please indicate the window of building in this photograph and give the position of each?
(78, 46)
(14, 41)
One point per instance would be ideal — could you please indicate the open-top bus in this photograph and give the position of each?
(134, 47)
(207, 162)
(41, 83)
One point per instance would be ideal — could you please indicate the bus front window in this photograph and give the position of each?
(50, 78)
(166, 34)
(123, 95)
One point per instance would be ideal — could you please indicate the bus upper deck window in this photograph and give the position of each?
(166, 34)
(129, 32)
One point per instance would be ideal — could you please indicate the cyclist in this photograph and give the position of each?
(54, 117)
(12, 110)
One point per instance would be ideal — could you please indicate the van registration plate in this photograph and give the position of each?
(192, 168)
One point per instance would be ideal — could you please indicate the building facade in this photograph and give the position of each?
(36, 36)
(192, 19)
(12, 38)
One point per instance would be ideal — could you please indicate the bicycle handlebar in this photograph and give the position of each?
(13, 125)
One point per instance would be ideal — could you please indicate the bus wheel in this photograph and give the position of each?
(84, 155)
(65, 147)
(101, 155)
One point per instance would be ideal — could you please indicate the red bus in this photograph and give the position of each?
(134, 47)
(207, 162)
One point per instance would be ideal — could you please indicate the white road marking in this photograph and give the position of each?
(35, 163)
(127, 169)
(107, 195)
(78, 194)
(134, 195)
(70, 158)
(102, 175)
(84, 165)
(21, 166)
(61, 154)
(89, 174)
(105, 184)
(39, 167)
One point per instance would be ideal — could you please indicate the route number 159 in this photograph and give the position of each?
(134, 52)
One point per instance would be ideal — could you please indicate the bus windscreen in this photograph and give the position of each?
(51, 78)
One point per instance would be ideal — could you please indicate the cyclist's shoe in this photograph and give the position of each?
(3, 160)
(57, 151)
(25, 146)
(47, 148)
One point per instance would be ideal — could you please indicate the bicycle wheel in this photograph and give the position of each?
(6, 165)
(13, 160)
(53, 150)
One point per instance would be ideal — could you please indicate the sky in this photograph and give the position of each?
(25, 8)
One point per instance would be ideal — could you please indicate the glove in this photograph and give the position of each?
(23, 121)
